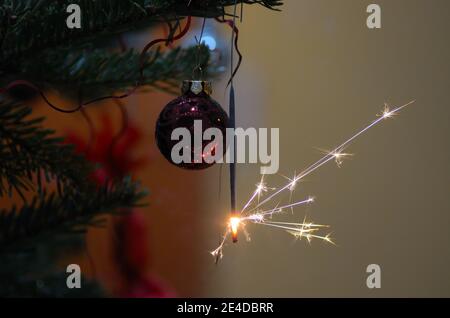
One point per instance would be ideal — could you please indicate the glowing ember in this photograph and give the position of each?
(234, 227)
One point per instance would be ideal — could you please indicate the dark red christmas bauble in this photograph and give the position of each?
(194, 105)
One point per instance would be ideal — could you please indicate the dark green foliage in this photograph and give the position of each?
(52, 285)
(105, 72)
(30, 156)
(42, 24)
(27, 151)
(35, 235)
(48, 215)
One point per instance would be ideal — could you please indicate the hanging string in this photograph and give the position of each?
(168, 41)
(198, 67)
(233, 26)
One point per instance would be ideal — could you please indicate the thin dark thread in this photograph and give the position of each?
(233, 42)
(231, 23)
(199, 43)
(169, 39)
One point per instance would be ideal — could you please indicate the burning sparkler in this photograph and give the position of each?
(253, 213)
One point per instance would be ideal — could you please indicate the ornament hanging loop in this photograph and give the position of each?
(196, 87)
(197, 72)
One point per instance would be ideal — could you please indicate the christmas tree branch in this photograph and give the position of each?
(102, 72)
(29, 27)
(46, 216)
(50, 284)
(30, 156)
(33, 236)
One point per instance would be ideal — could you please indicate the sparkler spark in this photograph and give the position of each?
(260, 188)
(337, 155)
(308, 230)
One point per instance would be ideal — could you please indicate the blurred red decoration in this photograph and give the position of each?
(134, 259)
(114, 154)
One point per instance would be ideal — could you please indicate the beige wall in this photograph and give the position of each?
(316, 72)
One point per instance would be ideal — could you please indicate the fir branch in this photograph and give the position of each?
(103, 72)
(33, 237)
(29, 155)
(47, 216)
(51, 284)
(31, 26)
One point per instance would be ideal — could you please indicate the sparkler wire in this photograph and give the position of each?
(232, 122)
